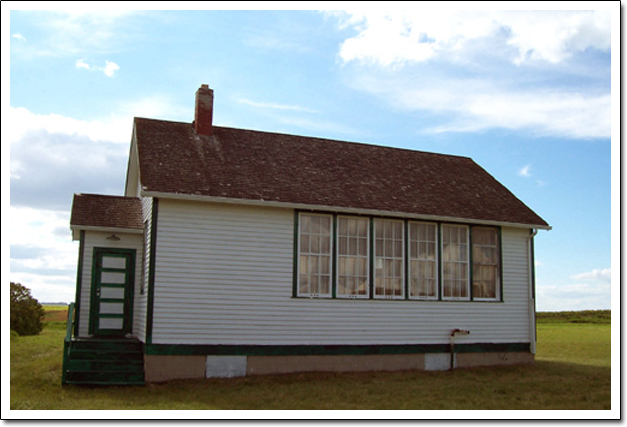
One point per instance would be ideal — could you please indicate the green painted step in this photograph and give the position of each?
(104, 365)
(104, 362)
(113, 345)
(105, 355)
(102, 378)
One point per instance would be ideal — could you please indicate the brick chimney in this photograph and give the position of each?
(203, 112)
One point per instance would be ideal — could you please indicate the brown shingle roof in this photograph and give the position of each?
(254, 165)
(91, 210)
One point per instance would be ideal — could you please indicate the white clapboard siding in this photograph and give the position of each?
(224, 276)
(94, 239)
(140, 301)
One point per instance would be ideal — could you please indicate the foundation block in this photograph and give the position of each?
(164, 368)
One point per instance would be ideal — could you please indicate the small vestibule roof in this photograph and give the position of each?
(106, 213)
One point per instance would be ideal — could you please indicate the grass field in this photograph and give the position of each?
(572, 371)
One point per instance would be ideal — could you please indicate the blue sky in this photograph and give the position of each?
(526, 94)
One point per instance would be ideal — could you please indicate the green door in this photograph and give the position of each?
(112, 292)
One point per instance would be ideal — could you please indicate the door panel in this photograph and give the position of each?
(112, 292)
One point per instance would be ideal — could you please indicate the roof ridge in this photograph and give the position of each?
(318, 138)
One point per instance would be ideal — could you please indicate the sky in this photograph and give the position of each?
(526, 93)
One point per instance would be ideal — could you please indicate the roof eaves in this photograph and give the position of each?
(356, 211)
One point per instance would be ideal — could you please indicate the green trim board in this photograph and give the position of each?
(318, 350)
(79, 281)
(406, 260)
(151, 270)
(142, 279)
(439, 261)
(532, 261)
(500, 232)
(371, 261)
(296, 251)
(334, 257)
(471, 291)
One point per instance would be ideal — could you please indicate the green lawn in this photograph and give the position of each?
(572, 371)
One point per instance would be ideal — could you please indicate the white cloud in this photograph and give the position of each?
(554, 36)
(525, 171)
(82, 64)
(399, 37)
(19, 37)
(274, 106)
(475, 104)
(42, 258)
(154, 106)
(591, 290)
(596, 275)
(574, 296)
(323, 126)
(74, 32)
(480, 70)
(113, 128)
(109, 69)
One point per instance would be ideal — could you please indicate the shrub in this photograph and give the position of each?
(26, 312)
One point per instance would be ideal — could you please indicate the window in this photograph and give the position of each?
(388, 262)
(423, 259)
(315, 240)
(360, 257)
(455, 262)
(353, 279)
(485, 263)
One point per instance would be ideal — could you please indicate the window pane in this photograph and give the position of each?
(352, 256)
(113, 262)
(422, 250)
(111, 277)
(315, 224)
(304, 224)
(315, 255)
(342, 244)
(325, 287)
(314, 244)
(455, 262)
(363, 247)
(341, 285)
(106, 292)
(325, 225)
(304, 284)
(485, 253)
(111, 308)
(325, 266)
(304, 243)
(389, 253)
(325, 245)
(352, 246)
(108, 323)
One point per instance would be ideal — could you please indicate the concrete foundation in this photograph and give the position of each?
(437, 361)
(226, 366)
(164, 368)
(260, 365)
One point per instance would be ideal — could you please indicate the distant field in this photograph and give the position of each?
(585, 316)
(572, 371)
(55, 313)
